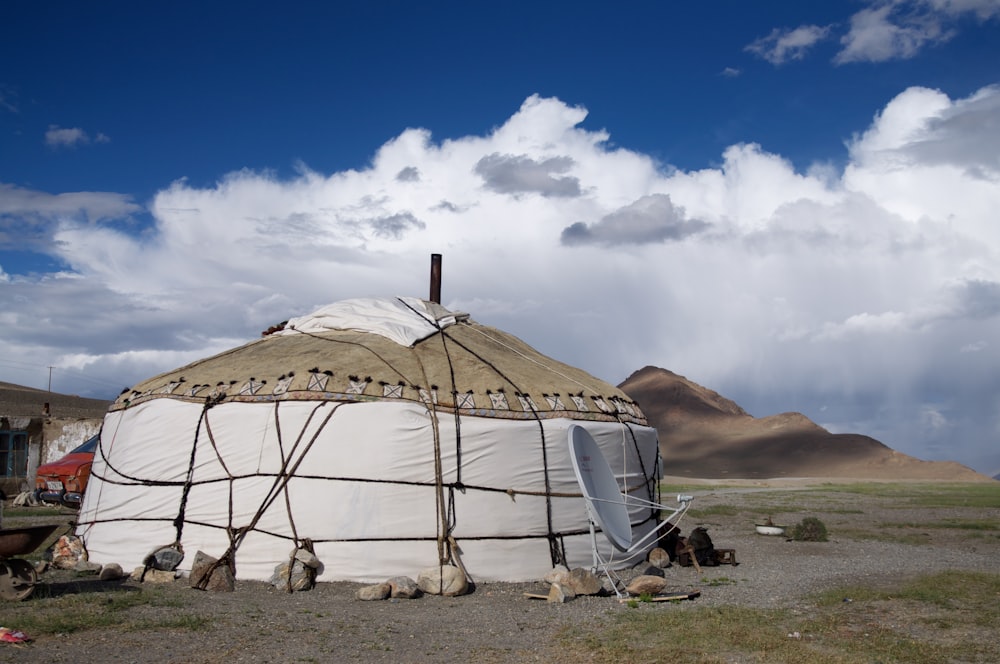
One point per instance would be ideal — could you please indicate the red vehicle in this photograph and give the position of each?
(64, 480)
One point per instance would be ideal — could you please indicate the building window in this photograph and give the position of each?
(13, 454)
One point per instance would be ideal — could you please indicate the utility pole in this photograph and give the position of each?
(50, 379)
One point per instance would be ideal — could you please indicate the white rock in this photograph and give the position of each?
(376, 592)
(445, 580)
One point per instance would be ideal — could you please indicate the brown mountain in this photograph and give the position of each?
(704, 435)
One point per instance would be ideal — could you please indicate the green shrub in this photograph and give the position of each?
(809, 529)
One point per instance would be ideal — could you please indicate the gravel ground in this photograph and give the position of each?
(496, 622)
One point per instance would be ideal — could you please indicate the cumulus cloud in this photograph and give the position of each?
(408, 174)
(924, 127)
(781, 46)
(71, 137)
(652, 218)
(867, 297)
(518, 174)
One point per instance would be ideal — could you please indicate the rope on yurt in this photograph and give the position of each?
(107, 464)
(527, 358)
(650, 481)
(229, 474)
(306, 543)
(189, 478)
(281, 451)
(446, 516)
(554, 554)
(284, 475)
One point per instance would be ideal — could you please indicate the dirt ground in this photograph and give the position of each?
(258, 623)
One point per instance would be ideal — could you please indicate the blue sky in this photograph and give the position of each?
(793, 204)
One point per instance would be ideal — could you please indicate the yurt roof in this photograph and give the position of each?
(394, 349)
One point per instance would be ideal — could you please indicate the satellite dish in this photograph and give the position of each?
(605, 501)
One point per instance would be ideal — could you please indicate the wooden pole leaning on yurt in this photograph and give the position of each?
(435, 296)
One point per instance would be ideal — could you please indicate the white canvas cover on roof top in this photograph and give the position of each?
(386, 458)
(405, 320)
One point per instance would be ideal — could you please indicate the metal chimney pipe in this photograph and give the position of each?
(435, 278)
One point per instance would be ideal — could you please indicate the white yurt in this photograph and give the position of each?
(386, 435)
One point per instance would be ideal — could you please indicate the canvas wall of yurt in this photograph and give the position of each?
(387, 435)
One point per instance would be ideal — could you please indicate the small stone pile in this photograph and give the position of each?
(566, 584)
(69, 553)
(446, 580)
(298, 573)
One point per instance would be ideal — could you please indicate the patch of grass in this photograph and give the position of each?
(923, 532)
(33, 512)
(924, 494)
(126, 611)
(670, 491)
(977, 591)
(968, 524)
(751, 512)
(700, 513)
(926, 620)
(718, 581)
(668, 634)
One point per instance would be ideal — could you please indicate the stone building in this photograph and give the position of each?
(36, 427)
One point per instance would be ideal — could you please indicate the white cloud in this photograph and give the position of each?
(899, 29)
(880, 33)
(28, 218)
(884, 30)
(868, 291)
(781, 46)
(652, 218)
(981, 9)
(66, 137)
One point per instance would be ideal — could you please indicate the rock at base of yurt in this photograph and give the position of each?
(557, 574)
(303, 577)
(560, 594)
(165, 558)
(583, 582)
(152, 575)
(307, 558)
(373, 593)
(111, 572)
(659, 557)
(403, 587)
(646, 585)
(445, 580)
(222, 577)
(87, 568)
(67, 552)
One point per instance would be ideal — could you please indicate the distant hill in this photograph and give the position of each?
(704, 435)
